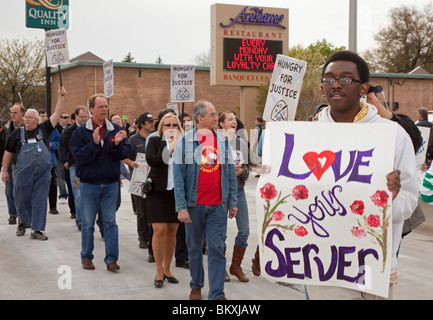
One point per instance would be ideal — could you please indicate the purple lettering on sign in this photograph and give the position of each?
(256, 17)
(340, 259)
(333, 161)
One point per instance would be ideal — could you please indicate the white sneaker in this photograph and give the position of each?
(63, 200)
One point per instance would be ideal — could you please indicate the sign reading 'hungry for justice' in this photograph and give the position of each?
(245, 43)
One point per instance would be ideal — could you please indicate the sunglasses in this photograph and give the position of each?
(65, 117)
(168, 125)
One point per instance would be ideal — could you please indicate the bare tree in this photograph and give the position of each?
(22, 73)
(406, 43)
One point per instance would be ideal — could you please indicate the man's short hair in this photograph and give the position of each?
(346, 55)
(423, 112)
(77, 110)
(93, 98)
(199, 110)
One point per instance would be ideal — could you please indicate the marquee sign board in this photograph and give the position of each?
(245, 42)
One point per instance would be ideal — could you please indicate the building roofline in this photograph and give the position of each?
(92, 63)
(135, 65)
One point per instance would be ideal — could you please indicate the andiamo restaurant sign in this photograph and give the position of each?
(245, 42)
(47, 14)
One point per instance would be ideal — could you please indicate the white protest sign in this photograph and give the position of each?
(108, 78)
(324, 210)
(173, 106)
(57, 47)
(284, 89)
(139, 175)
(182, 83)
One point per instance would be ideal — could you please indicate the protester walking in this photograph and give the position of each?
(32, 171)
(160, 201)
(205, 190)
(228, 123)
(98, 147)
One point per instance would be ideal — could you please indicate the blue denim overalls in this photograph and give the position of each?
(32, 175)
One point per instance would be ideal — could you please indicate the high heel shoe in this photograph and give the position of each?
(158, 283)
(171, 279)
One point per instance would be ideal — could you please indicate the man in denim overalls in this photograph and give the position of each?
(32, 169)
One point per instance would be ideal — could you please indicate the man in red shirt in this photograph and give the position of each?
(205, 189)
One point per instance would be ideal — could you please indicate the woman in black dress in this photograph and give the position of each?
(160, 201)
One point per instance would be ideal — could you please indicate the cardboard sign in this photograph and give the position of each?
(139, 175)
(182, 83)
(57, 47)
(324, 210)
(108, 78)
(284, 89)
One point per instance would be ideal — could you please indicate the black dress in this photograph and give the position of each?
(160, 201)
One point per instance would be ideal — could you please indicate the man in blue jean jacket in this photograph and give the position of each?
(205, 188)
(98, 146)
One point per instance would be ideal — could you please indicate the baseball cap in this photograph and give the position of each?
(145, 117)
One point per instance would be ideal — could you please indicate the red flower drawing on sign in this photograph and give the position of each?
(358, 207)
(278, 216)
(358, 232)
(268, 191)
(373, 221)
(300, 193)
(374, 225)
(301, 231)
(380, 198)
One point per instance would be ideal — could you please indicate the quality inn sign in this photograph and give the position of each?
(47, 14)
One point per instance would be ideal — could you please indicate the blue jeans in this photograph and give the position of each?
(76, 193)
(212, 221)
(9, 192)
(242, 220)
(101, 197)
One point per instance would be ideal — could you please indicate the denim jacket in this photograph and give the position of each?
(186, 169)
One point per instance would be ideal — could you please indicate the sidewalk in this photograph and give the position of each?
(32, 269)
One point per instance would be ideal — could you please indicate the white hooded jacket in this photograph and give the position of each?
(404, 160)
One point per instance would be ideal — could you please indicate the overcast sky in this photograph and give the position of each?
(179, 30)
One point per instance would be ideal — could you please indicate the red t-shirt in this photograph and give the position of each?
(209, 180)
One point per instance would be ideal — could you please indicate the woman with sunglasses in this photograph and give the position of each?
(160, 201)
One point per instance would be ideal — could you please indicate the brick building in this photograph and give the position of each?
(138, 87)
(142, 88)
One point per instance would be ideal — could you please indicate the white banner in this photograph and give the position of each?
(182, 83)
(284, 89)
(57, 47)
(324, 210)
(108, 78)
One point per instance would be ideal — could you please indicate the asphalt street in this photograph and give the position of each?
(51, 270)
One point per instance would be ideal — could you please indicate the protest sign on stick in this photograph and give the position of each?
(182, 83)
(108, 78)
(324, 210)
(284, 89)
(57, 49)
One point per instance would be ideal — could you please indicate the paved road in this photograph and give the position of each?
(31, 269)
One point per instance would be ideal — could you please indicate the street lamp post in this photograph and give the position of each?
(353, 21)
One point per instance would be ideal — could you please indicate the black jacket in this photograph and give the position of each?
(156, 153)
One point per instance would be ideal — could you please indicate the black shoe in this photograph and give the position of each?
(158, 283)
(171, 279)
(79, 226)
(143, 244)
(12, 220)
(183, 264)
(151, 258)
(54, 211)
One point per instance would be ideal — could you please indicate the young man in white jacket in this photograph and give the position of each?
(345, 79)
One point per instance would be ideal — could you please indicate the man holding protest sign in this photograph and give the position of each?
(345, 79)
